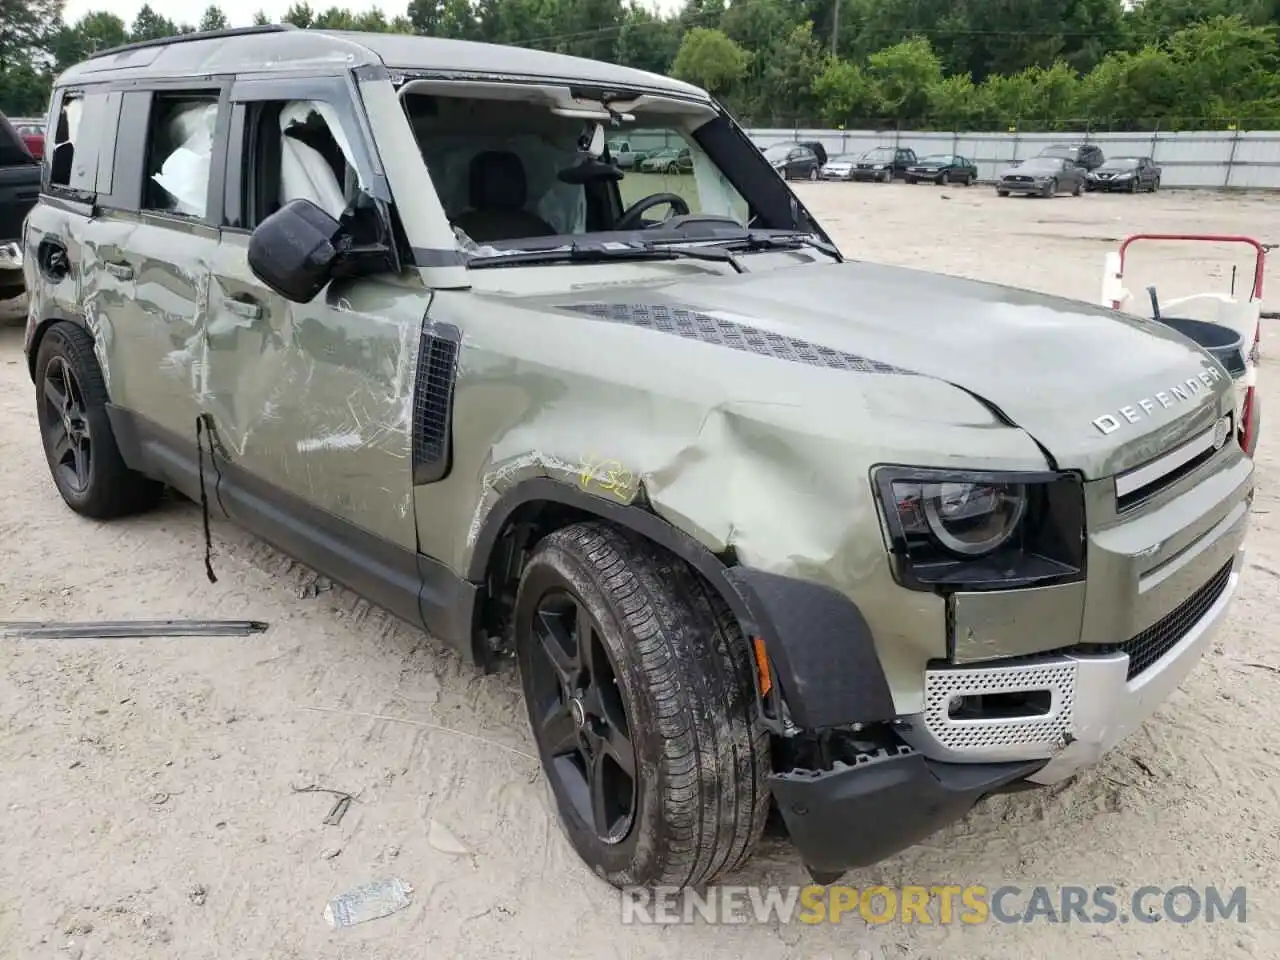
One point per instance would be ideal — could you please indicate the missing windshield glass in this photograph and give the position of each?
(539, 166)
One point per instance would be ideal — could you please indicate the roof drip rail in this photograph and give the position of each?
(198, 35)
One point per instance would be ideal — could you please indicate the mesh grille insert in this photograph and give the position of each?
(1147, 647)
(432, 406)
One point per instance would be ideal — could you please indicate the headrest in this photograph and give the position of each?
(497, 181)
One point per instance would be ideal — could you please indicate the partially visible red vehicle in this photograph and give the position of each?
(31, 132)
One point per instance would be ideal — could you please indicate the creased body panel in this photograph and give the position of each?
(316, 399)
(765, 457)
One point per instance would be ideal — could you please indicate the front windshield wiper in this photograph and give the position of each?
(785, 241)
(601, 254)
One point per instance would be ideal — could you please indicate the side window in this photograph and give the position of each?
(295, 150)
(178, 152)
(84, 138)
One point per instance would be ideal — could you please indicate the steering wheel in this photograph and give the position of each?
(630, 218)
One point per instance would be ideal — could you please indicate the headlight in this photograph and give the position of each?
(960, 530)
(879, 166)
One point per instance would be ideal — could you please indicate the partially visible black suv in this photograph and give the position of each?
(1087, 155)
(19, 190)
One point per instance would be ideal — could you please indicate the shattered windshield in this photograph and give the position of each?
(521, 174)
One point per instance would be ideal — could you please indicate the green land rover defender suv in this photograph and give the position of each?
(764, 528)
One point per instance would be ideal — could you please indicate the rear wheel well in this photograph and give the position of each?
(44, 327)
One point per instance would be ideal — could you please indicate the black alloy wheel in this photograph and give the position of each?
(65, 424)
(584, 730)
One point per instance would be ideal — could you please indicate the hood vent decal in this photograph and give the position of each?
(689, 323)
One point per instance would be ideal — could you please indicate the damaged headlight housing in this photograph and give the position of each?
(960, 530)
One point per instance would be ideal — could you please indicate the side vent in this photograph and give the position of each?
(433, 403)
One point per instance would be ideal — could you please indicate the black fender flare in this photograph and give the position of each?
(48, 317)
(820, 646)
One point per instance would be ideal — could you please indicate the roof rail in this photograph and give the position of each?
(198, 35)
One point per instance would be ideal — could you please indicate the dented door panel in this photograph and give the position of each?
(156, 339)
(316, 399)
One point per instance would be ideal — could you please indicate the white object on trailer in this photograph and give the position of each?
(1240, 314)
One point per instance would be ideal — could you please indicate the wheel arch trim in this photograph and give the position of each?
(37, 330)
(820, 647)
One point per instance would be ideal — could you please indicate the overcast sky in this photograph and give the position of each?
(240, 12)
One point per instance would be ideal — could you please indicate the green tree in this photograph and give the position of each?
(904, 75)
(710, 59)
(300, 15)
(845, 93)
(27, 27)
(91, 33)
(149, 25)
(213, 18)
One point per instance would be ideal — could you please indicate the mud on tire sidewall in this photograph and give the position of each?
(645, 855)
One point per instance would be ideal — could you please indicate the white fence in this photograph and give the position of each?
(1238, 159)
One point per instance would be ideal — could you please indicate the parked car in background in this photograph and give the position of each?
(943, 168)
(1042, 176)
(883, 164)
(1130, 174)
(31, 133)
(624, 158)
(839, 167)
(669, 160)
(19, 189)
(1086, 155)
(794, 161)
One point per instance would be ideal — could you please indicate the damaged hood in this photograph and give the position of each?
(1099, 391)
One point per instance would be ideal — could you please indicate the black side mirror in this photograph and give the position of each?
(294, 251)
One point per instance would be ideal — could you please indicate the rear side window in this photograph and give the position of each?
(84, 138)
(178, 154)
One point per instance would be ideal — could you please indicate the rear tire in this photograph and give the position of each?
(622, 642)
(79, 444)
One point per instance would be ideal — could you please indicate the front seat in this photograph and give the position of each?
(498, 192)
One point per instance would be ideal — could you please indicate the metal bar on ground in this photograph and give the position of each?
(130, 628)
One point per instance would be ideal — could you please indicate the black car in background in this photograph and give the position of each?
(1087, 155)
(883, 164)
(1130, 174)
(942, 168)
(19, 189)
(795, 161)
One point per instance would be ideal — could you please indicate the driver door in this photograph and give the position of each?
(311, 403)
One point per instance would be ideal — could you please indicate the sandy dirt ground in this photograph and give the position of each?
(150, 801)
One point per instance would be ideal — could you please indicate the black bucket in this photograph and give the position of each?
(1225, 344)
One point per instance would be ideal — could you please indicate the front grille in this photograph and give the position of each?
(1018, 179)
(1162, 636)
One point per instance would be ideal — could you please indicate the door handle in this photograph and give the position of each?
(248, 309)
(121, 271)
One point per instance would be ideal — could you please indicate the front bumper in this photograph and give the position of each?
(1094, 700)
(855, 816)
(857, 174)
(1019, 186)
(1109, 186)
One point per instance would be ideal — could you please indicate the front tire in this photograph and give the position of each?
(813, 175)
(639, 687)
(1050, 189)
(79, 444)
(944, 178)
